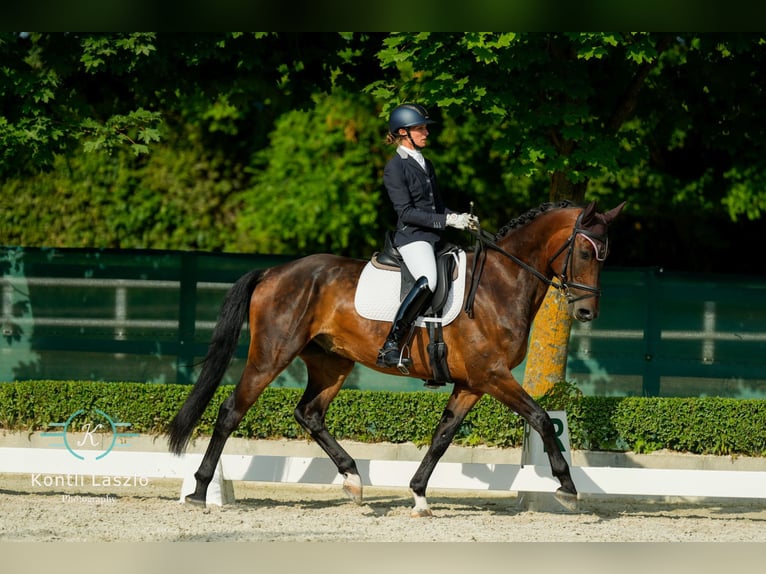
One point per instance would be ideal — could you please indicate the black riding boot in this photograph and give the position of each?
(414, 303)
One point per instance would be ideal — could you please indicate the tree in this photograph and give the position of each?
(669, 122)
(583, 107)
(316, 186)
(81, 113)
(67, 92)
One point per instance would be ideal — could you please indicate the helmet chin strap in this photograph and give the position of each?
(412, 141)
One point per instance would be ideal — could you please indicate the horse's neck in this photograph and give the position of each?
(534, 244)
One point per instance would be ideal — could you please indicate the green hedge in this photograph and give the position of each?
(694, 425)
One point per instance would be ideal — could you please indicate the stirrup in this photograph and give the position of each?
(404, 362)
(398, 360)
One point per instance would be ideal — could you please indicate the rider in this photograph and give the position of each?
(411, 184)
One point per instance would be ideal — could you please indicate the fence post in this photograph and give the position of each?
(187, 317)
(652, 334)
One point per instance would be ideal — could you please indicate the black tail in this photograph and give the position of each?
(233, 314)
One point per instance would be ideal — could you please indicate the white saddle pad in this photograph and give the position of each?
(377, 294)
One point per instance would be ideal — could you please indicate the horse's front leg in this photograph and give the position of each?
(458, 406)
(539, 420)
(512, 394)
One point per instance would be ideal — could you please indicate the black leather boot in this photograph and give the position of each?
(413, 304)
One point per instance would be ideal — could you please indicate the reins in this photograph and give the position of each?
(486, 239)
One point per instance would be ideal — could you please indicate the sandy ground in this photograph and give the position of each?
(266, 512)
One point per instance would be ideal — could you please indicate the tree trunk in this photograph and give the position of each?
(548, 345)
(549, 341)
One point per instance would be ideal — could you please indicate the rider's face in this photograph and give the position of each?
(419, 135)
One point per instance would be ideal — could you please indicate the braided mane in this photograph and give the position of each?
(530, 215)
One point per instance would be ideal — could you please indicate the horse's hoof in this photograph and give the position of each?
(567, 499)
(195, 501)
(352, 487)
(421, 513)
(421, 508)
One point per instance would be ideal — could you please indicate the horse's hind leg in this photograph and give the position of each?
(326, 374)
(232, 410)
(460, 403)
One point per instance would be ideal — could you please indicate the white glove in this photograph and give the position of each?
(462, 221)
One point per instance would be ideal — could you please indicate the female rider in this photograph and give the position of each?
(411, 184)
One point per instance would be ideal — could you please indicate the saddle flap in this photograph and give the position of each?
(445, 267)
(389, 257)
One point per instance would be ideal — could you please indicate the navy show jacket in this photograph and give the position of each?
(414, 194)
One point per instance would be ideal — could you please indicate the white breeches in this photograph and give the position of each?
(421, 261)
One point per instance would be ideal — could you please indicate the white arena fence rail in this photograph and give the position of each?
(52, 467)
(56, 467)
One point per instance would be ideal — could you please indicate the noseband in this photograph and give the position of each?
(562, 283)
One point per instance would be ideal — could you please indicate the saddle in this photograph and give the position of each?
(446, 271)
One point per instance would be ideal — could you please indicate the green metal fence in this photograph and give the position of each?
(674, 334)
(148, 316)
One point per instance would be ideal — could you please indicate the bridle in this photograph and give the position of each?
(601, 251)
(561, 282)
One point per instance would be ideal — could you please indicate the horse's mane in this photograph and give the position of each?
(530, 215)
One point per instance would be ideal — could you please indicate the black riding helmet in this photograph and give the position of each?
(407, 116)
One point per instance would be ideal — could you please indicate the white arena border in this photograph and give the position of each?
(40, 463)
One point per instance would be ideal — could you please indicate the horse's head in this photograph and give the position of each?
(578, 262)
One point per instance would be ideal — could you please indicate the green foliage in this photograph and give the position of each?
(592, 105)
(316, 187)
(139, 128)
(541, 90)
(747, 192)
(271, 141)
(493, 424)
(106, 90)
(699, 426)
(591, 424)
(176, 198)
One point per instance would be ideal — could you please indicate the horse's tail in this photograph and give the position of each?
(233, 313)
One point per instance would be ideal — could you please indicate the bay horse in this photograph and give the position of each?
(305, 308)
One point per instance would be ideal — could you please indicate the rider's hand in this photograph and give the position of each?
(462, 220)
(473, 222)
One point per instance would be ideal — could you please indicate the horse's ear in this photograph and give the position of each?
(610, 215)
(588, 213)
